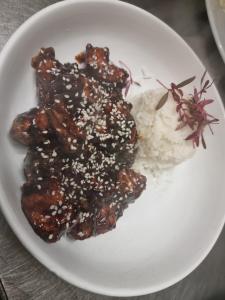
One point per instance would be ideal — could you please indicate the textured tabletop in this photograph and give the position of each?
(22, 277)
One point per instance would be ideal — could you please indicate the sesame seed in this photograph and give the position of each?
(44, 155)
(54, 153)
(47, 142)
(80, 234)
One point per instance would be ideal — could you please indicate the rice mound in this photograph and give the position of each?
(160, 146)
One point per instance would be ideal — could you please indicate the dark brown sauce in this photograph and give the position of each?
(82, 143)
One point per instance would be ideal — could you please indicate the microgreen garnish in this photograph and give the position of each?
(130, 80)
(185, 82)
(162, 101)
(191, 111)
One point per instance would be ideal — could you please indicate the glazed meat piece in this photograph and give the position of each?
(130, 184)
(20, 129)
(47, 69)
(102, 220)
(122, 128)
(30, 127)
(83, 228)
(47, 54)
(43, 161)
(99, 218)
(82, 141)
(109, 206)
(45, 208)
(53, 77)
(105, 219)
(65, 128)
(91, 91)
(97, 61)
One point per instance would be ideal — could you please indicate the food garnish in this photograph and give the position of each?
(191, 109)
(130, 80)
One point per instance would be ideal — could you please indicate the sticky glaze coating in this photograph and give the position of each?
(82, 143)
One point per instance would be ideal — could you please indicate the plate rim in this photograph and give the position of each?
(220, 46)
(76, 281)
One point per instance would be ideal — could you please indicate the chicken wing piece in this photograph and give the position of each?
(105, 219)
(107, 210)
(122, 131)
(110, 207)
(97, 61)
(42, 162)
(53, 77)
(44, 53)
(91, 91)
(47, 71)
(130, 184)
(83, 229)
(100, 219)
(83, 225)
(69, 134)
(103, 208)
(45, 208)
(30, 127)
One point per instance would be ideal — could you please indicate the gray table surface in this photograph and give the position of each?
(22, 277)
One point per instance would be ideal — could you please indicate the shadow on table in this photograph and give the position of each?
(219, 296)
(221, 86)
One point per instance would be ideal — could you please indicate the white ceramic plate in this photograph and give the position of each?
(170, 229)
(216, 16)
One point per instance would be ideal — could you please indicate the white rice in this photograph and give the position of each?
(160, 146)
